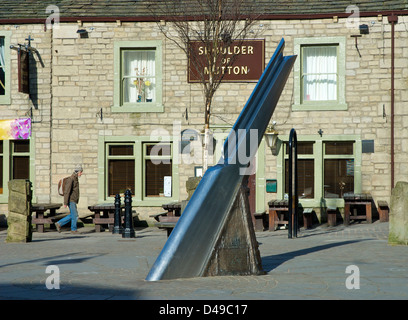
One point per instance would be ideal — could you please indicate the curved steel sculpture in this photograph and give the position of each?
(189, 247)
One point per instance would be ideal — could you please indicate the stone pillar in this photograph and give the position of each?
(398, 219)
(191, 185)
(19, 215)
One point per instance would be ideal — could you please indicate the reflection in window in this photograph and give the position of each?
(305, 178)
(338, 177)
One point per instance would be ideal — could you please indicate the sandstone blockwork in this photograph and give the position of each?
(19, 215)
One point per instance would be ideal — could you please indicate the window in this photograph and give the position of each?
(144, 166)
(5, 67)
(15, 163)
(305, 170)
(20, 164)
(138, 76)
(338, 169)
(320, 74)
(2, 68)
(328, 167)
(121, 168)
(157, 160)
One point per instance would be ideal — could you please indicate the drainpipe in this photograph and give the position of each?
(393, 19)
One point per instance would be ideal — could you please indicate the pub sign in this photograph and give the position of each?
(247, 66)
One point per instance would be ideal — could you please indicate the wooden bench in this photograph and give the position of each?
(173, 208)
(383, 210)
(307, 218)
(331, 216)
(169, 226)
(277, 210)
(39, 218)
(157, 216)
(104, 214)
(259, 220)
(358, 199)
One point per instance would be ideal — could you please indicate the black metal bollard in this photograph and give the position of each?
(293, 192)
(128, 231)
(117, 227)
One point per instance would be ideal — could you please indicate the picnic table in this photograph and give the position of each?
(277, 211)
(40, 217)
(104, 214)
(169, 226)
(168, 219)
(354, 200)
(172, 213)
(173, 209)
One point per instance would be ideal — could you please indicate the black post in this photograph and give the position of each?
(293, 190)
(117, 227)
(128, 231)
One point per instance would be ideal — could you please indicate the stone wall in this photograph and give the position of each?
(77, 80)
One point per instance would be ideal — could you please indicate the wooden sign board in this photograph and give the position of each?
(247, 65)
(23, 72)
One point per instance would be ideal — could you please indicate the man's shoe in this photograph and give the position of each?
(74, 232)
(58, 227)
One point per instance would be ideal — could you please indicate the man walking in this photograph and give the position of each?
(71, 198)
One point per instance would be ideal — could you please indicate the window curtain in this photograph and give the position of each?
(319, 73)
(139, 76)
(2, 66)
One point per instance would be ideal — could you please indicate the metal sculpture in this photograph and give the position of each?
(189, 247)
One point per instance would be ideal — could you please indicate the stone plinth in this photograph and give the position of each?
(236, 251)
(398, 219)
(19, 207)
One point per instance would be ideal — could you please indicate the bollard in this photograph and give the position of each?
(117, 227)
(128, 231)
(293, 191)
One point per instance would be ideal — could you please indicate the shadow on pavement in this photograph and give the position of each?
(60, 259)
(271, 262)
(29, 291)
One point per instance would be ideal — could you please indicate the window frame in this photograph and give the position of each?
(319, 157)
(139, 142)
(118, 105)
(329, 105)
(6, 98)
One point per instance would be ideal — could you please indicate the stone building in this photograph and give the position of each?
(346, 97)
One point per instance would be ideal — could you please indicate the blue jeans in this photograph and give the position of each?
(73, 217)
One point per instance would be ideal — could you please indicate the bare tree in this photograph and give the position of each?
(213, 25)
